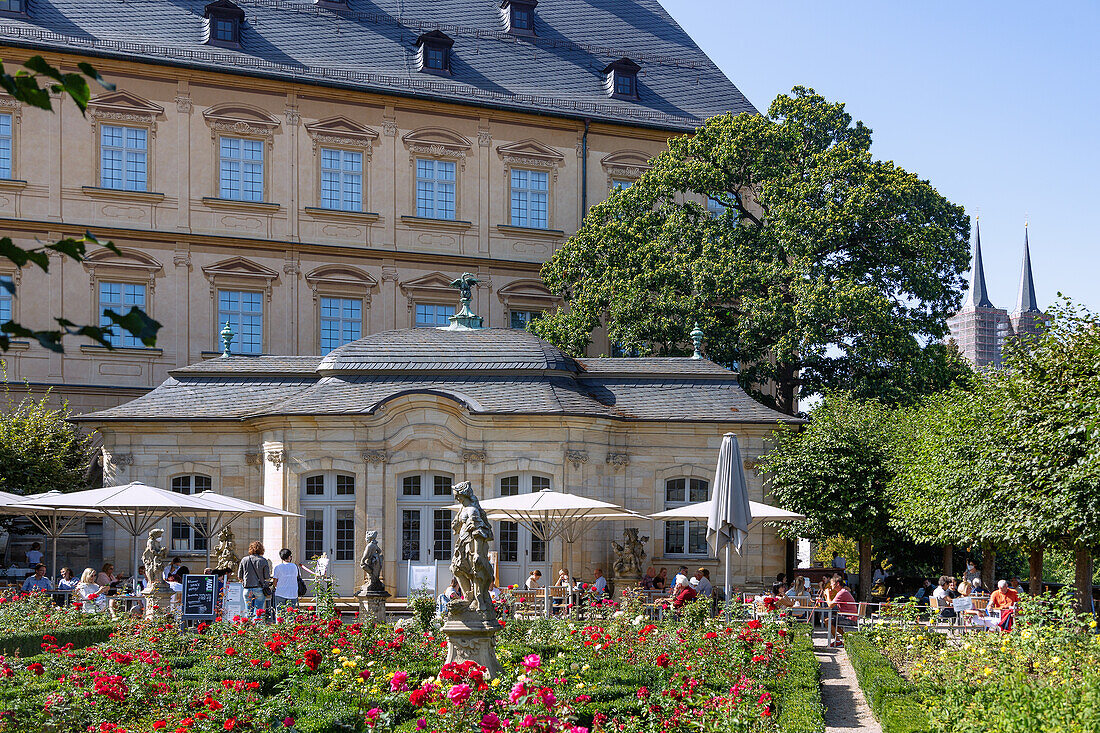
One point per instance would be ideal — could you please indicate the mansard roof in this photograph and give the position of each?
(371, 46)
(492, 371)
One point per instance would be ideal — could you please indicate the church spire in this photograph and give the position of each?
(1027, 302)
(979, 296)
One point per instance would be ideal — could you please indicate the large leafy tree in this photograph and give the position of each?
(827, 268)
(40, 450)
(32, 85)
(837, 471)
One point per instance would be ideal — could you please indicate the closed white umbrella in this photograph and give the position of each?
(730, 514)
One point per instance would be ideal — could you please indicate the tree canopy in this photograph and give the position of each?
(826, 269)
(39, 450)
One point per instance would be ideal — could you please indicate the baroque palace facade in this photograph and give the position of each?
(316, 174)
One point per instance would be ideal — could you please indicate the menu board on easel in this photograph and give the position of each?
(200, 598)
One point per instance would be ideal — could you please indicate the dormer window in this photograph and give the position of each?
(622, 79)
(519, 15)
(435, 52)
(224, 20)
(16, 8)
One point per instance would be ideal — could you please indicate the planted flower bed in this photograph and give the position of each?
(614, 671)
(30, 622)
(1044, 675)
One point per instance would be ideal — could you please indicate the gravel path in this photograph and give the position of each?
(845, 708)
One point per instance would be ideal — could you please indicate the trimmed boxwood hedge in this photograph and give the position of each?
(896, 702)
(28, 644)
(798, 693)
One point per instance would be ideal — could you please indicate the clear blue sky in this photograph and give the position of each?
(996, 103)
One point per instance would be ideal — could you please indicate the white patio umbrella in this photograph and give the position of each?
(52, 521)
(730, 514)
(549, 514)
(135, 507)
(224, 511)
(761, 513)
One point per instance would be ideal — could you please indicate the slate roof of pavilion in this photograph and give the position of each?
(372, 47)
(488, 371)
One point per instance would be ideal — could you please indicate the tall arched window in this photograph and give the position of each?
(184, 536)
(686, 538)
(519, 551)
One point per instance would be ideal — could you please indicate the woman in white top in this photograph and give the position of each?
(533, 580)
(285, 577)
(89, 593)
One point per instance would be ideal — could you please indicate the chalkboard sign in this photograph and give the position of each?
(200, 597)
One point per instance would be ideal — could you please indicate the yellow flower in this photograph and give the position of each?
(1092, 624)
(987, 671)
(335, 650)
(495, 682)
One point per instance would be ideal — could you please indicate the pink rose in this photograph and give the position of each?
(532, 662)
(460, 693)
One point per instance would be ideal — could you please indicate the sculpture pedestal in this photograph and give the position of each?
(158, 600)
(473, 640)
(372, 605)
(619, 583)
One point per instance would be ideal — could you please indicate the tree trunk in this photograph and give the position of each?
(948, 559)
(989, 567)
(864, 568)
(1035, 572)
(1083, 579)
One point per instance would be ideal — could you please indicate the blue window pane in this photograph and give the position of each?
(341, 322)
(341, 180)
(435, 189)
(241, 169)
(123, 161)
(5, 145)
(428, 314)
(7, 300)
(244, 312)
(120, 298)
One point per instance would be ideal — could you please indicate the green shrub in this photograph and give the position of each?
(797, 694)
(28, 644)
(896, 703)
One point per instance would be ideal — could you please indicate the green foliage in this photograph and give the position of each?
(837, 469)
(24, 86)
(423, 608)
(895, 702)
(798, 692)
(827, 270)
(39, 450)
(30, 643)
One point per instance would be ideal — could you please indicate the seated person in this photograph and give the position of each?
(846, 609)
(89, 594)
(649, 578)
(600, 584)
(682, 594)
(1004, 598)
(175, 582)
(67, 581)
(661, 581)
(701, 582)
(534, 580)
(38, 581)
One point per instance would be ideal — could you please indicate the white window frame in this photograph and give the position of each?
(337, 498)
(345, 185)
(692, 485)
(7, 145)
(530, 198)
(347, 320)
(128, 297)
(236, 318)
(7, 299)
(436, 195)
(528, 317)
(525, 483)
(240, 163)
(194, 542)
(132, 153)
(433, 497)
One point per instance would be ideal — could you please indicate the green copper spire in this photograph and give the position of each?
(465, 319)
(697, 340)
(227, 338)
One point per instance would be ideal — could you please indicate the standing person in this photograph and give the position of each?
(176, 567)
(839, 562)
(255, 572)
(285, 577)
(600, 584)
(38, 581)
(34, 555)
(67, 581)
(972, 573)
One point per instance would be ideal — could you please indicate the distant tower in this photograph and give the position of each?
(1027, 319)
(979, 329)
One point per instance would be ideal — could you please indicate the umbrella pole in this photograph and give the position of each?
(727, 577)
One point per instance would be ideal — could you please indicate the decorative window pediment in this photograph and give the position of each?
(241, 272)
(123, 106)
(341, 280)
(437, 142)
(527, 293)
(133, 266)
(435, 284)
(343, 132)
(625, 164)
(530, 153)
(240, 119)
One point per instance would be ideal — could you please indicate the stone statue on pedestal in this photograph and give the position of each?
(155, 558)
(225, 553)
(372, 562)
(472, 624)
(630, 555)
(372, 596)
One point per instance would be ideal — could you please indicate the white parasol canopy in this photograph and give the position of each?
(549, 514)
(760, 513)
(53, 522)
(229, 510)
